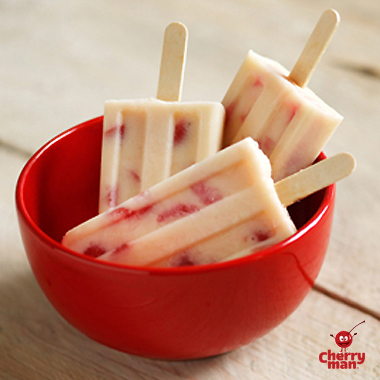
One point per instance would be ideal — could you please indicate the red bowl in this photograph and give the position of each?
(167, 313)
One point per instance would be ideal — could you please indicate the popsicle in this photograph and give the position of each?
(219, 207)
(278, 110)
(148, 140)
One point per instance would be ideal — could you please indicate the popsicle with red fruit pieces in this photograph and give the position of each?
(148, 140)
(278, 110)
(223, 206)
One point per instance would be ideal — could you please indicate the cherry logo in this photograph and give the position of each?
(344, 338)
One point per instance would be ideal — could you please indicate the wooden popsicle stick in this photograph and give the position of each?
(314, 178)
(314, 48)
(172, 62)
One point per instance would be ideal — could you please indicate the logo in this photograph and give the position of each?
(343, 359)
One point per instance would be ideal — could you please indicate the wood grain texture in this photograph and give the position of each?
(60, 61)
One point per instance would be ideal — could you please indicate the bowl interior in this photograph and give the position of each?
(61, 188)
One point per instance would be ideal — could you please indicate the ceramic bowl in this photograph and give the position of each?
(166, 313)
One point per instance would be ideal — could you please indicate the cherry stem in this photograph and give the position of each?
(357, 325)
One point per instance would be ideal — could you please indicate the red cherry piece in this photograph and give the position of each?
(122, 213)
(134, 175)
(293, 112)
(114, 130)
(120, 249)
(122, 131)
(184, 260)
(178, 211)
(258, 83)
(206, 194)
(94, 251)
(262, 235)
(112, 197)
(180, 131)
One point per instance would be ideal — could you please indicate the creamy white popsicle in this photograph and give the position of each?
(222, 205)
(290, 123)
(148, 140)
(254, 93)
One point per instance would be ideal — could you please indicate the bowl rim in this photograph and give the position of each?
(326, 203)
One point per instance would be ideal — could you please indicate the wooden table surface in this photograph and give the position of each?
(61, 60)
